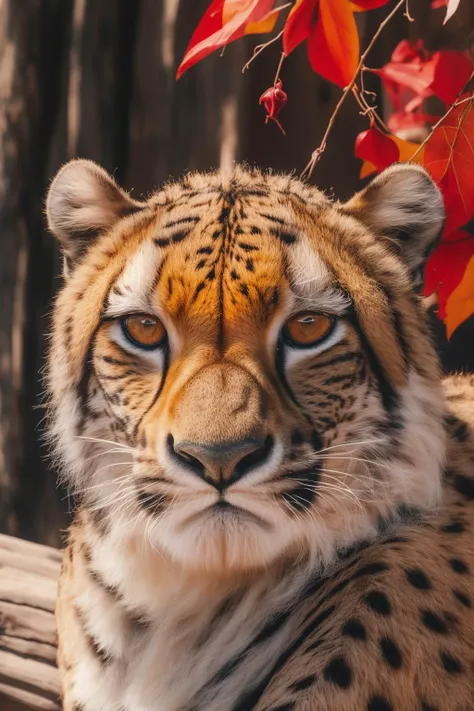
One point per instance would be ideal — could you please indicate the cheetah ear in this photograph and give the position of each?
(82, 202)
(404, 207)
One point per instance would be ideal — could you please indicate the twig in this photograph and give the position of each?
(368, 110)
(316, 155)
(277, 74)
(259, 49)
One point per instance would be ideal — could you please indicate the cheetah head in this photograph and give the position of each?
(240, 370)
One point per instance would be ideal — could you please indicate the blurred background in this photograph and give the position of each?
(96, 79)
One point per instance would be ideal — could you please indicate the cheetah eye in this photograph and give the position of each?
(307, 329)
(144, 331)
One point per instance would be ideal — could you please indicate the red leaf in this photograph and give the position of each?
(405, 51)
(300, 24)
(449, 157)
(214, 32)
(333, 47)
(377, 148)
(446, 266)
(452, 71)
(362, 5)
(405, 121)
(444, 74)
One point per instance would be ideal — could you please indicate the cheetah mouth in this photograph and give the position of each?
(224, 512)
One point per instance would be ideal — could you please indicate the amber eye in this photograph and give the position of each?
(307, 328)
(144, 331)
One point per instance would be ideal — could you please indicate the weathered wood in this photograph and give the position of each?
(28, 587)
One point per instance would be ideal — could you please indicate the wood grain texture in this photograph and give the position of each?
(28, 587)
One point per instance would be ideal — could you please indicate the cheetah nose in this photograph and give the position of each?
(223, 463)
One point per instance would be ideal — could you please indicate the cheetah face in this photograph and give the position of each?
(240, 371)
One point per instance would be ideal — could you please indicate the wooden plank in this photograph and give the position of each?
(29, 573)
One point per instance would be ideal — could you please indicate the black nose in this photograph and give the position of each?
(223, 463)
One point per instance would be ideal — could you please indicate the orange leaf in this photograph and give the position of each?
(333, 47)
(445, 268)
(223, 22)
(449, 157)
(460, 304)
(300, 24)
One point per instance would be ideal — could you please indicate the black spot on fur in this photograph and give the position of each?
(418, 579)
(461, 433)
(202, 263)
(338, 672)
(379, 703)
(450, 663)
(247, 247)
(462, 597)
(244, 289)
(204, 250)
(427, 707)
(454, 527)
(391, 652)
(434, 622)
(465, 486)
(254, 230)
(304, 683)
(378, 602)
(233, 275)
(199, 288)
(355, 629)
(458, 565)
(249, 265)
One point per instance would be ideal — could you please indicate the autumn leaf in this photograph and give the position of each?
(377, 147)
(449, 157)
(331, 31)
(300, 23)
(445, 268)
(443, 74)
(225, 21)
(378, 150)
(460, 304)
(333, 47)
(363, 5)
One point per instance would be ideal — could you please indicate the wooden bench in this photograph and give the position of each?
(28, 584)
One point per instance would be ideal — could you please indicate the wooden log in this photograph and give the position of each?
(28, 587)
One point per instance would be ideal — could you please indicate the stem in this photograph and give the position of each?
(259, 49)
(316, 155)
(280, 64)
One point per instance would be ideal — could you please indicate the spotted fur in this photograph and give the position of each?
(329, 568)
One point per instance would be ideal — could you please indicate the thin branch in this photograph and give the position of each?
(443, 118)
(259, 49)
(316, 155)
(367, 109)
(277, 73)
